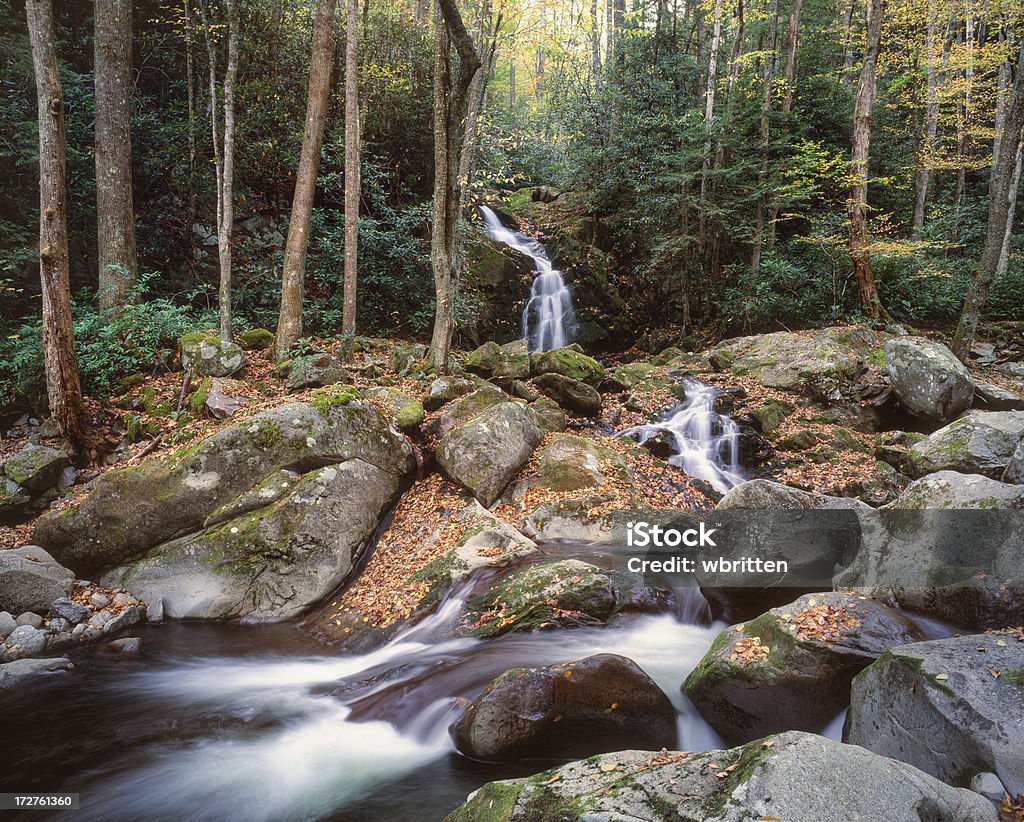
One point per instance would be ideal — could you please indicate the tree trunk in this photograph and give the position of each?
(615, 34)
(512, 83)
(595, 44)
(848, 46)
(858, 206)
(999, 210)
(794, 44)
(1018, 167)
(709, 112)
(450, 103)
(227, 195)
(352, 170)
(963, 120)
(293, 276)
(115, 232)
(62, 384)
(767, 80)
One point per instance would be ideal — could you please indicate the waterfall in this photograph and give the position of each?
(705, 444)
(548, 319)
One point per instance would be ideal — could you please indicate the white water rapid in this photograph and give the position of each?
(705, 444)
(548, 318)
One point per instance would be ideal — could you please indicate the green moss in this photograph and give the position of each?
(333, 396)
(1015, 676)
(197, 337)
(128, 383)
(494, 802)
(268, 434)
(568, 363)
(197, 402)
(256, 339)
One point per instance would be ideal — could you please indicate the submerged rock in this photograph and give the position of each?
(576, 709)
(951, 707)
(928, 379)
(791, 668)
(794, 776)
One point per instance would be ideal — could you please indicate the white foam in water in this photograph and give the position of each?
(705, 444)
(548, 318)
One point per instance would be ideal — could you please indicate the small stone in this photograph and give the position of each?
(59, 625)
(100, 601)
(7, 624)
(129, 616)
(126, 646)
(70, 610)
(28, 618)
(122, 598)
(100, 618)
(24, 641)
(989, 786)
(78, 630)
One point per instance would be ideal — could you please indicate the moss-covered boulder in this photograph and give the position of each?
(980, 442)
(35, 467)
(791, 667)
(484, 454)
(630, 376)
(770, 416)
(550, 417)
(568, 593)
(795, 776)
(463, 409)
(574, 396)
(928, 379)
(316, 371)
(951, 707)
(206, 355)
(568, 363)
(445, 389)
(824, 364)
(510, 361)
(571, 463)
(405, 412)
(406, 358)
(126, 512)
(256, 339)
(598, 704)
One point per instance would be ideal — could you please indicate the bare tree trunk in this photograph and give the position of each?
(767, 81)
(1004, 254)
(115, 231)
(595, 44)
(615, 34)
(190, 82)
(858, 206)
(62, 384)
(488, 35)
(450, 102)
(964, 115)
(293, 276)
(422, 10)
(794, 44)
(1004, 169)
(512, 82)
(352, 170)
(227, 220)
(709, 112)
(935, 80)
(848, 46)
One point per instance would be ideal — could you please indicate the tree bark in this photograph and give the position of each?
(794, 44)
(115, 231)
(293, 276)
(352, 170)
(857, 207)
(227, 194)
(450, 103)
(63, 388)
(767, 81)
(999, 211)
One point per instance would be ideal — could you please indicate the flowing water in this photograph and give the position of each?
(705, 444)
(256, 722)
(548, 318)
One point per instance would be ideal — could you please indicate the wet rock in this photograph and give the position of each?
(126, 646)
(207, 356)
(36, 468)
(826, 363)
(573, 395)
(568, 363)
(316, 371)
(979, 442)
(786, 670)
(928, 379)
(567, 593)
(486, 453)
(30, 579)
(19, 672)
(127, 512)
(937, 706)
(794, 776)
(988, 397)
(576, 709)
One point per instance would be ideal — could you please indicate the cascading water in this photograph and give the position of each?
(705, 444)
(548, 318)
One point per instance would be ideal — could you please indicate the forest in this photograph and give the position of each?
(347, 350)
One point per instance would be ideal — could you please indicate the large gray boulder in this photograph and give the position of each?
(795, 776)
(951, 707)
(36, 467)
(30, 579)
(576, 709)
(21, 671)
(990, 397)
(953, 490)
(826, 363)
(791, 667)
(316, 371)
(571, 463)
(928, 379)
(275, 562)
(206, 355)
(979, 442)
(502, 362)
(463, 409)
(765, 495)
(572, 395)
(486, 453)
(127, 512)
(569, 363)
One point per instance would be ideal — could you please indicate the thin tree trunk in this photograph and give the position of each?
(190, 82)
(115, 231)
(63, 388)
(615, 34)
(352, 170)
(293, 276)
(858, 205)
(512, 83)
(1004, 169)
(767, 80)
(488, 33)
(794, 44)
(227, 198)
(935, 80)
(1004, 254)
(709, 113)
(450, 103)
(963, 120)
(595, 44)
(848, 46)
